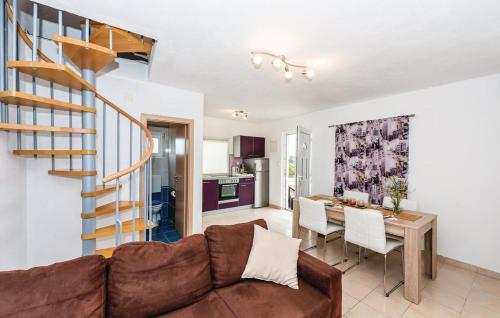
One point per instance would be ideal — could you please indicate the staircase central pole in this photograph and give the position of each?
(88, 161)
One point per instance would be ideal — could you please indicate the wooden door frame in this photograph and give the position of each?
(145, 118)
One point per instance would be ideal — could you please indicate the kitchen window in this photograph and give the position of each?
(215, 156)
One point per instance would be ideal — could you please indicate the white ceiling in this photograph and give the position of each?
(360, 49)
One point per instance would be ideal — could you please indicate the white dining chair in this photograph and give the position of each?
(356, 195)
(405, 204)
(366, 228)
(313, 217)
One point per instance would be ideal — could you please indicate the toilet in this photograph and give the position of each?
(156, 205)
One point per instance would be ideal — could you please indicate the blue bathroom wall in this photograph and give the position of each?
(156, 196)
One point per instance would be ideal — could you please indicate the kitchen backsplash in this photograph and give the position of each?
(234, 161)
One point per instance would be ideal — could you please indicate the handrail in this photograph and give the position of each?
(149, 152)
(24, 36)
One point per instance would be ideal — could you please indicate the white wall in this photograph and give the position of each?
(12, 208)
(13, 192)
(218, 128)
(453, 160)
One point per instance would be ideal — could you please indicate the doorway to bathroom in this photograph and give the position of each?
(169, 201)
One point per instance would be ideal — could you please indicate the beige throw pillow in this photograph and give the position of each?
(273, 258)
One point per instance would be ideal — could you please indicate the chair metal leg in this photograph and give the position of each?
(345, 250)
(310, 247)
(385, 274)
(353, 265)
(315, 245)
(343, 257)
(400, 283)
(324, 248)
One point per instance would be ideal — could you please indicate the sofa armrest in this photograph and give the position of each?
(323, 277)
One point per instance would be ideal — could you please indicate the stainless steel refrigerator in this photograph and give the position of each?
(259, 167)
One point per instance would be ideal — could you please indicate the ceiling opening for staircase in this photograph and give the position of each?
(127, 44)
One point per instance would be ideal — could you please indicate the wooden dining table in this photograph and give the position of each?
(411, 227)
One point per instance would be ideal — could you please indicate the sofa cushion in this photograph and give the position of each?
(255, 298)
(210, 306)
(273, 258)
(75, 286)
(230, 246)
(151, 278)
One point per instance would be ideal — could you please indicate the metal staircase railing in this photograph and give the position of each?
(57, 73)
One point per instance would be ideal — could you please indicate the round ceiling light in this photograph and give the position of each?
(256, 60)
(277, 64)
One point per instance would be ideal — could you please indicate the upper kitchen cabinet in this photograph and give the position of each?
(249, 147)
(245, 147)
(259, 147)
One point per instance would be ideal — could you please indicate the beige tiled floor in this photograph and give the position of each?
(455, 293)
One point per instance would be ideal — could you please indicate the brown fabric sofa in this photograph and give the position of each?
(199, 276)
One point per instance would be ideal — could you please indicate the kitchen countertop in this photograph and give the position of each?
(224, 177)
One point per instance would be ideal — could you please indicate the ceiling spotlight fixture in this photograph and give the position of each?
(280, 62)
(256, 60)
(240, 114)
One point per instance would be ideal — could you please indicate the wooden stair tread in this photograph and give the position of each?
(110, 230)
(123, 41)
(109, 208)
(100, 190)
(106, 252)
(72, 173)
(20, 98)
(57, 73)
(55, 129)
(26, 152)
(85, 55)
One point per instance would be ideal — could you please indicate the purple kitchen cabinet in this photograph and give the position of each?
(249, 147)
(246, 147)
(246, 180)
(259, 147)
(246, 193)
(210, 195)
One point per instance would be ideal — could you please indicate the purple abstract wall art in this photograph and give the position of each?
(368, 153)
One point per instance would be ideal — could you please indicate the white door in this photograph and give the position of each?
(303, 175)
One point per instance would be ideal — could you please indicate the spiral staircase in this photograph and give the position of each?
(100, 45)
